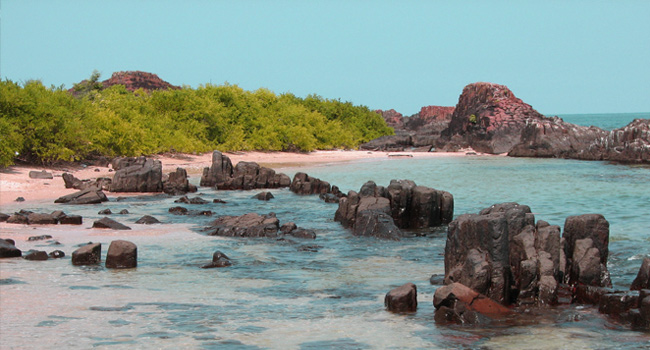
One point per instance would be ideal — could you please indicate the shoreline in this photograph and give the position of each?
(15, 181)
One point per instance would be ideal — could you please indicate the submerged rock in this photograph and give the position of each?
(35, 255)
(147, 220)
(264, 196)
(219, 259)
(88, 196)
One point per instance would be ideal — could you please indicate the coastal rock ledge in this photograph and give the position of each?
(504, 258)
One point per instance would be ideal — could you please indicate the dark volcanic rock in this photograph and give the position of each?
(586, 249)
(247, 225)
(105, 212)
(89, 254)
(147, 220)
(137, 175)
(552, 137)
(376, 223)
(122, 255)
(410, 206)
(40, 175)
(177, 183)
(88, 196)
(305, 184)
(263, 196)
(36, 255)
(219, 259)
(3, 217)
(71, 181)
(110, 224)
(642, 280)
(41, 219)
(402, 299)
(244, 176)
(194, 200)
(71, 220)
(39, 238)
(56, 254)
(8, 249)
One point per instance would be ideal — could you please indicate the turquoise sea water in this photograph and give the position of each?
(604, 121)
(278, 295)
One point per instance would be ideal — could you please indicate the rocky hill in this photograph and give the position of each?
(134, 80)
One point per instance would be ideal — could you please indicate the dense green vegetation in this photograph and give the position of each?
(40, 124)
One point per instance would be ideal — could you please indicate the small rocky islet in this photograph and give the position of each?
(498, 263)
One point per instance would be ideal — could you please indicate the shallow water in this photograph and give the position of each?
(279, 296)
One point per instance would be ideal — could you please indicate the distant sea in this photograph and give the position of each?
(605, 121)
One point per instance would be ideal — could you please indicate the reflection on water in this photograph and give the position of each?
(277, 295)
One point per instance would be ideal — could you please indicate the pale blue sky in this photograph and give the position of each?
(559, 56)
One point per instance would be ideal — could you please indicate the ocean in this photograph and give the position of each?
(314, 294)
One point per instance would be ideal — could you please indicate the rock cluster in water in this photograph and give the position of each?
(30, 218)
(382, 211)
(502, 257)
(244, 176)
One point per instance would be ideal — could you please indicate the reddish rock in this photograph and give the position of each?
(642, 280)
(460, 301)
(122, 255)
(489, 118)
(134, 80)
(429, 113)
(393, 118)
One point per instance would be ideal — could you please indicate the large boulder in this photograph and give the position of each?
(41, 219)
(147, 220)
(305, 184)
(402, 299)
(89, 254)
(220, 170)
(91, 195)
(35, 255)
(247, 225)
(376, 223)
(71, 181)
(122, 255)
(137, 175)
(8, 249)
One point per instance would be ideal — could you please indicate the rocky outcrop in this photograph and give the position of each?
(247, 225)
(264, 196)
(555, 138)
(503, 254)
(488, 118)
(35, 255)
(134, 80)
(122, 255)
(408, 205)
(56, 217)
(91, 195)
(176, 183)
(89, 254)
(244, 176)
(305, 184)
(456, 303)
(402, 299)
(193, 200)
(137, 175)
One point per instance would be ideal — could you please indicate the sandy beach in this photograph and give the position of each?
(15, 181)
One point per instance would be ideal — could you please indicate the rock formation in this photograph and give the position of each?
(89, 254)
(402, 299)
(8, 249)
(247, 225)
(502, 257)
(176, 183)
(92, 195)
(408, 205)
(71, 181)
(244, 176)
(488, 118)
(134, 80)
(555, 138)
(219, 259)
(137, 175)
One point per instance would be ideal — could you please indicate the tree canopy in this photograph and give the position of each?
(40, 124)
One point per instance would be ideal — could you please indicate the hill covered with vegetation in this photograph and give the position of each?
(43, 125)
